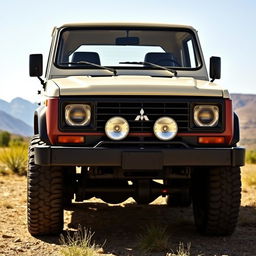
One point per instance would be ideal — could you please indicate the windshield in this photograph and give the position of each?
(175, 48)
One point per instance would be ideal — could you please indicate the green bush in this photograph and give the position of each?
(4, 139)
(17, 141)
(15, 158)
(251, 157)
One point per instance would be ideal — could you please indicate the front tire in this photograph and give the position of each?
(45, 195)
(216, 195)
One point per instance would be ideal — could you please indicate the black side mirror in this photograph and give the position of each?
(35, 65)
(215, 68)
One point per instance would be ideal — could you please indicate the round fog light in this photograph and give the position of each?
(117, 128)
(165, 128)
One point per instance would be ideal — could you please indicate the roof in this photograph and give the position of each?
(127, 24)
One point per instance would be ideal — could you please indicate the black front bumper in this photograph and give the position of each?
(138, 159)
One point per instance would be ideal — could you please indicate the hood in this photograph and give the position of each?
(133, 85)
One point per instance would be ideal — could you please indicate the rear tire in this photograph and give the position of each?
(181, 199)
(45, 192)
(115, 198)
(216, 195)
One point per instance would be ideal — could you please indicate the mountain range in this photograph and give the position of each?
(245, 105)
(14, 125)
(17, 117)
(19, 108)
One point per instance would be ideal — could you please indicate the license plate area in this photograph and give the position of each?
(142, 160)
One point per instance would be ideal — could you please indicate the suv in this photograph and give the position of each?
(128, 110)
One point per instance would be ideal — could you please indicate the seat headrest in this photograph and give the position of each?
(92, 57)
(162, 59)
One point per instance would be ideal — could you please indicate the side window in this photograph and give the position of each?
(189, 57)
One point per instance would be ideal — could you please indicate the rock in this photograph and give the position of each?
(19, 249)
(17, 240)
(100, 251)
(7, 236)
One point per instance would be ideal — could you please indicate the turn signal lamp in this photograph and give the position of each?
(211, 140)
(71, 139)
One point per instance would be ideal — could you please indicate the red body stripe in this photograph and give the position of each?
(53, 130)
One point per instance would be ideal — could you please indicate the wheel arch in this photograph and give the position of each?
(40, 124)
(236, 130)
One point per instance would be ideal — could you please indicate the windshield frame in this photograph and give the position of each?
(196, 46)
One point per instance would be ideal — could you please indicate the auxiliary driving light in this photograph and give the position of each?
(165, 128)
(117, 128)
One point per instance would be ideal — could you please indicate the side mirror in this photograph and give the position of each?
(35, 65)
(215, 68)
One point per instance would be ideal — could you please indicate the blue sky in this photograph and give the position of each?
(226, 29)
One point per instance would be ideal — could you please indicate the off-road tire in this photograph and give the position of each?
(44, 202)
(216, 195)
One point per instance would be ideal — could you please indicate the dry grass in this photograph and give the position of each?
(182, 251)
(249, 176)
(79, 244)
(15, 159)
(154, 238)
(247, 214)
(250, 156)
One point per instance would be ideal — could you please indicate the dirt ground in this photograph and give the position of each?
(117, 226)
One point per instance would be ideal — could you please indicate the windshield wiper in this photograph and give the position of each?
(150, 64)
(93, 65)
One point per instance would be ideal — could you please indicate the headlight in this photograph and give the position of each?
(117, 128)
(165, 128)
(206, 115)
(77, 114)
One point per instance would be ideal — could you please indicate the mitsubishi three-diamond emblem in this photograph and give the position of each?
(141, 116)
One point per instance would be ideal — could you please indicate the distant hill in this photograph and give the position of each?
(19, 108)
(14, 125)
(245, 107)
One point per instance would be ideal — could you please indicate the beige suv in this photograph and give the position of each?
(124, 106)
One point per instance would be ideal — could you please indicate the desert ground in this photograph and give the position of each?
(117, 227)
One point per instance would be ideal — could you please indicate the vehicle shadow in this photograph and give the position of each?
(117, 228)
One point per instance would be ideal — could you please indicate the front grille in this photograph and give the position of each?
(178, 108)
(179, 111)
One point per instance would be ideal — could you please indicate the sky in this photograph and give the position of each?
(226, 29)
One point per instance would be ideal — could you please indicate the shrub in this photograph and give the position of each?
(79, 244)
(15, 158)
(251, 156)
(4, 139)
(153, 238)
